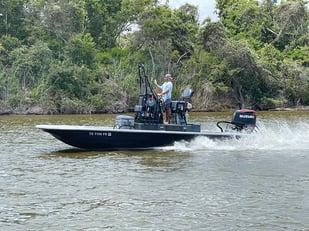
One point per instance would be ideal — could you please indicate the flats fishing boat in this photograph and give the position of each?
(146, 129)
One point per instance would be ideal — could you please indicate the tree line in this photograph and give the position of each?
(81, 56)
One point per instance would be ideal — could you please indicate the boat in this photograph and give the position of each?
(146, 130)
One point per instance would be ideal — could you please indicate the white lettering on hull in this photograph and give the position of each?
(100, 134)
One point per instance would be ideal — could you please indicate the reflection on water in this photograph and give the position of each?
(151, 158)
(73, 153)
(256, 183)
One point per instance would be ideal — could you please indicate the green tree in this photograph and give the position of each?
(62, 18)
(84, 53)
(292, 25)
(12, 16)
(68, 80)
(29, 67)
(109, 18)
(81, 50)
(167, 36)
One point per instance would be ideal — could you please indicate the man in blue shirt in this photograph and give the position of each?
(166, 93)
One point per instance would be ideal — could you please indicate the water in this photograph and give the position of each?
(255, 183)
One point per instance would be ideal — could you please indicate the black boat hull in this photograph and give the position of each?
(105, 138)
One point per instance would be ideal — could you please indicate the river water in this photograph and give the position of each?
(255, 183)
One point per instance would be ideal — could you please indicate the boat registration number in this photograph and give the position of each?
(100, 134)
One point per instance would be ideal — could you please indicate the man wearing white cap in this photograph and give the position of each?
(166, 93)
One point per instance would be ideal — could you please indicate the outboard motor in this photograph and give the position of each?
(243, 119)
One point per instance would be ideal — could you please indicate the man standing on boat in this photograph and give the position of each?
(166, 93)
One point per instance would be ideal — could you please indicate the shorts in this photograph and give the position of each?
(168, 104)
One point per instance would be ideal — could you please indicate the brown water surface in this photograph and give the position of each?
(256, 183)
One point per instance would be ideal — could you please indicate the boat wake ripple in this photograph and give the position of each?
(274, 136)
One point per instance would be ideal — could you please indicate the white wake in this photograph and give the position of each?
(271, 135)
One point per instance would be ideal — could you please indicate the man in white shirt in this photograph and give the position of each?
(166, 93)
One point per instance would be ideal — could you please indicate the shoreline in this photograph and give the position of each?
(36, 110)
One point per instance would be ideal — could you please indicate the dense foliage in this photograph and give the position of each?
(81, 56)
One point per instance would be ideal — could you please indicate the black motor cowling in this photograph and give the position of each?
(243, 119)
